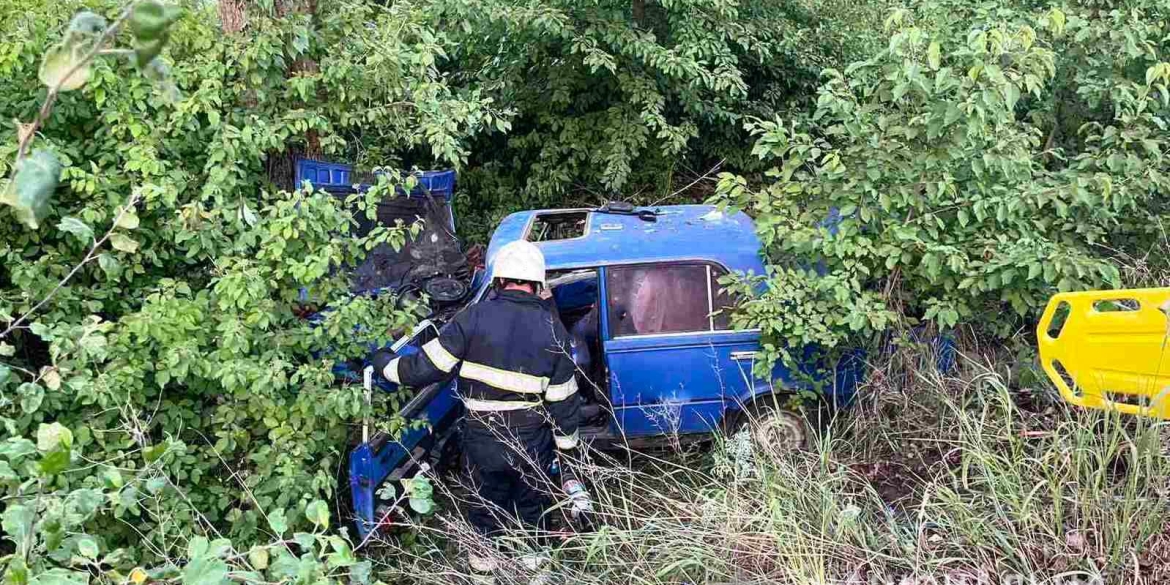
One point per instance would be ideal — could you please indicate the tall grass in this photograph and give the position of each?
(927, 479)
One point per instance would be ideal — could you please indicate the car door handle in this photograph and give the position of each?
(744, 355)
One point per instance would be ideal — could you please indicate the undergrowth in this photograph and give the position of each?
(926, 479)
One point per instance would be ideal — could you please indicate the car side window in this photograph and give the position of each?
(653, 299)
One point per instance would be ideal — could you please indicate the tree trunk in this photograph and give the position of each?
(233, 16)
(281, 165)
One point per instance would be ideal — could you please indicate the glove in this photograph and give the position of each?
(380, 360)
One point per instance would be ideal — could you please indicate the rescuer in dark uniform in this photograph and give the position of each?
(516, 380)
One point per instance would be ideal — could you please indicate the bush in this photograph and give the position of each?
(161, 387)
(620, 99)
(945, 180)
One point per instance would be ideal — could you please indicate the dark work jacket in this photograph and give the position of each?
(511, 354)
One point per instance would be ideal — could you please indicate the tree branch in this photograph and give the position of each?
(705, 176)
(28, 373)
(28, 131)
(89, 257)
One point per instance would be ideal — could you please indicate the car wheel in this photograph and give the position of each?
(777, 426)
(779, 430)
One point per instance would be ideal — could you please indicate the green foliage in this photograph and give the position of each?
(934, 183)
(610, 98)
(58, 538)
(150, 21)
(32, 186)
(67, 64)
(170, 414)
(154, 339)
(420, 494)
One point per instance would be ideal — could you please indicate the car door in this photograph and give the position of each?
(673, 364)
(381, 457)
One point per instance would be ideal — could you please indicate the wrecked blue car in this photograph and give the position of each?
(658, 360)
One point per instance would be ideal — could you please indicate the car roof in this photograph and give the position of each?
(681, 232)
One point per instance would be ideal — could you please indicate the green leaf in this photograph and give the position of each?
(18, 523)
(17, 571)
(387, 492)
(31, 190)
(205, 570)
(60, 577)
(974, 71)
(86, 502)
(934, 56)
(418, 487)
(150, 19)
(197, 547)
(7, 474)
(258, 558)
(145, 52)
(31, 397)
(304, 539)
(360, 572)
(112, 478)
(53, 436)
(17, 447)
(156, 485)
(318, 513)
(952, 113)
(422, 505)
(421, 491)
(86, 25)
(154, 452)
(1057, 21)
(88, 547)
(7, 350)
(76, 227)
(128, 220)
(1011, 95)
(54, 463)
(277, 522)
(109, 265)
(285, 565)
(219, 548)
(64, 67)
(123, 242)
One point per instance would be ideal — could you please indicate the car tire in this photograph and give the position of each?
(778, 424)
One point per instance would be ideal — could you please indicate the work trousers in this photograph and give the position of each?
(507, 456)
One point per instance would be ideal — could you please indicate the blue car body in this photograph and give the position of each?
(656, 385)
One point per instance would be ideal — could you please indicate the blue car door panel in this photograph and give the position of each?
(673, 367)
(676, 384)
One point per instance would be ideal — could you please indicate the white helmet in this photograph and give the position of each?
(519, 260)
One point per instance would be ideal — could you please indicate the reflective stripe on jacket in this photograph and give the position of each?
(511, 353)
